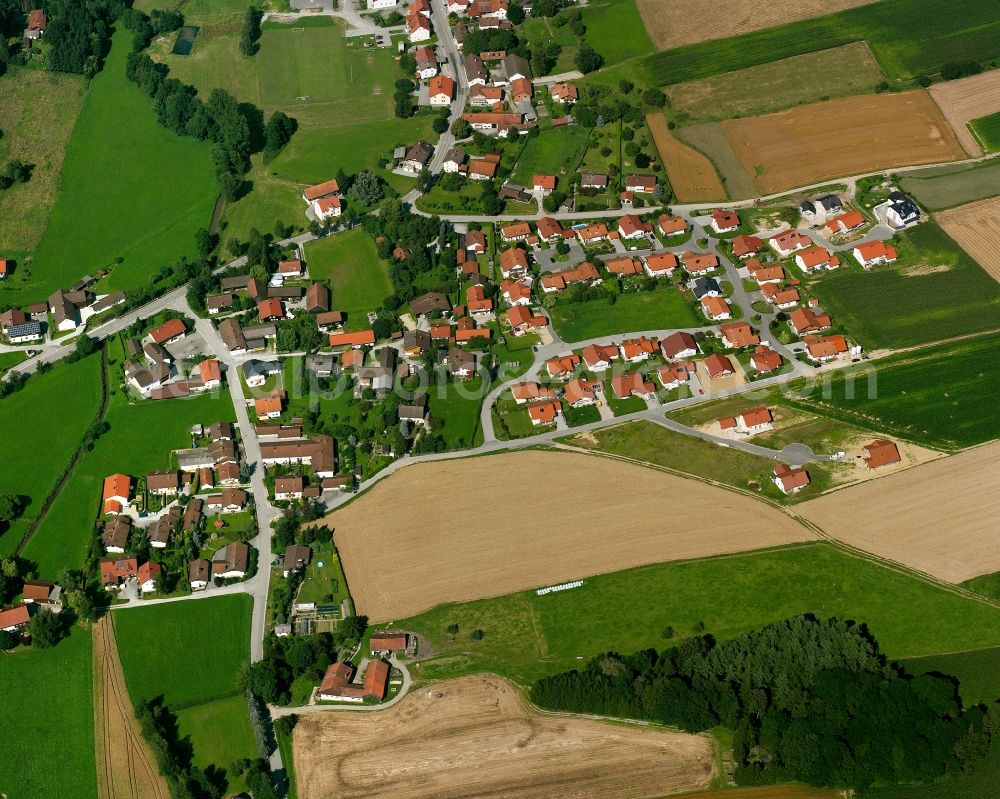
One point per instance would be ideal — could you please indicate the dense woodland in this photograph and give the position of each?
(808, 700)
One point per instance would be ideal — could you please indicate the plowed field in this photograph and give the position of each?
(963, 100)
(691, 174)
(976, 228)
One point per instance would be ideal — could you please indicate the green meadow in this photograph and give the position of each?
(357, 277)
(648, 310)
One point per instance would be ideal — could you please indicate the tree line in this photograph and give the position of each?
(807, 700)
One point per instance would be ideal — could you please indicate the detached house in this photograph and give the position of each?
(522, 320)
(591, 234)
(672, 225)
(562, 367)
(673, 375)
(427, 63)
(441, 90)
(874, 253)
(724, 221)
(640, 183)
(815, 258)
(599, 357)
(630, 227)
(513, 263)
(580, 393)
(716, 308)
(805, 320)
(746, 246)
(765, 360)
(826, 348)
(845, 223)
(678, 345)
(901, 211)
(632, 384)
(544, 412)
(788, 242)
(780, 298)
(880, 453)
(698, 263)
(789, 480)
(564, 93)
(738, 335)
(660, 265)
(515, 231)
(636, 350)
(323, 199)
(750, 422)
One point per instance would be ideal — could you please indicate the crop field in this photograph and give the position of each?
(935, 292)
(902, 516)
(977, 670)
(125, 765)
(764, 89)
(556, 151)
(437, 738)
(986, 131)
(938, 188)
(130, 216)
(976, 228)
(939, 397)
(40, 110)
(62, 538)
(43, 416)
(795, 147)
(358, 278)
(962, 101)
(981, 781)
(36, 712)
(672, 23)
(691, 174)
(709, 138)
(648, 310)
(200, 647)
(936, 31)
(397, 565)
(528, 636)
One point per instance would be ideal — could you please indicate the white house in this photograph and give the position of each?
(418, 28)
(326, 208)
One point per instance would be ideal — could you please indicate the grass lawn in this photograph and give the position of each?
(942, 396)
(938, 188)
(648, 310)
(977, 670)
(326, 584)
(130, 447)
(51, 711)
(9, 359)
(615, 30)
(555, 151)
(987, 132)
(112, 202)
(40, 110)
(934, 292)
(457, 405)
(220, 733)
(942, 31)
(467, 200)
(358, 278)
(528, 636)
(200, 646)
(37, 413)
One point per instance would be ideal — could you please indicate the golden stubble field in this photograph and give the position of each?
(846, 136)
(691, 174)
(476, 736)
(671, 23)
(966, 99)
(976, 228)
(470, 528)
(939, 518)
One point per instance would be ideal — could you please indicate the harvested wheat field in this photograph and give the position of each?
(476, 736)
(976, 228)
(966, 99)
(841, 137)
(125, 766)
(691, 174)
(939, 518)
(494, 525)
(671, 23)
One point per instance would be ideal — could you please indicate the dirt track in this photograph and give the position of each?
(476, 737)
(691, 174)
(963, 100)
(466, 529)
(939, 518)
(125, 766)
(847, 136)
(976, 228)
(671, 23)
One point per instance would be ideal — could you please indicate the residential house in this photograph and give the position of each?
(521, 320)
(45, 594)
(115, 572)
(268, 407)
(781, 298)
(287, 488)
(146, 576)
(579, 393)
(581, 273)
(562, 367)
(543, 184)
(362, 338)
(625, 267)
(168, 332)
(194, 512)
(661, 265)
(826, 348)
(330, 320)
(232, 336)
(415, 411)
(318, 452)
(724, 221)
(564, 93)
(545, 412)
(716, 308)
(640, 183)
(530, 391)
(318, 298)
(270, 309)
(718, 366)
(15, 618)
(417, 156)
(164, 484)
(631, 228)
(521, 90)
(746, 246)
(296, 558)
(700, 263)
(706, 287)
(901, 211)
(765, 273)
(515, 231)
(416, 343)
(749, 422)
(814, 258)
(481, 96)
(427, 63)
(386, 643)
(475, 241)
(591, 234)
(789, 480)
(454, 160)
(629, 384)
(846, 223)
(789, 242)
(232, 561)
(514, 67)
(231, 500)
(117, 493)
(765, 360)
(493, 122)
(217, 303)
(805, 320)
(637, 350)
(475, 70)
(116, 533)
(549, 229)
(65, 315)
(880, 453)
(418, 27)
(598, 357)
(24, 333)
(672, 225)
(874, 253)
(461, 364)
(441, 90)
(477, 302)
(737, 335)
(428, 303)
(37, 23)
(199, 573)
(256, 372)
(673, 375)
(593, 180)
(678, 345)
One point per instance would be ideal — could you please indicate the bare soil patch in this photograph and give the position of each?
(671, 23)
(963, 100)
(125, 766)
(847, 136)
(476, 736)
(691, 174)
(976, 228)
(471, 528)
(939, 518)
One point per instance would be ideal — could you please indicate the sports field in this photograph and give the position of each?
(43, 415)
(529, 636)
(968, 99)
(112, 201)
(976, 228)
(935, 292)
(797, 147)
(902, 516)
(838, 72)
(672, 23)
(40, 110)
(62, 538)
(648, 310)
(48, 694)
(556, 151)
(939, 396)
(691, 174)
(438, 737)
(358, 278)
(397, 565)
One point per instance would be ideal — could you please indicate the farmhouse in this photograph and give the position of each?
(789, 480)
(270, 309)
(14, 618)
(493, 122)
(880, 453)
(318, 299)
(337, 685)
(737, 335)
(592, 233)
(580, 393)
(362, 338)
(481, 96)
(544, 412)
(678, 345)
(874, 253)
(672, 225)
(521, 90)
(630, 384)
(329, 188)
(716, 308)
(828, 348)
(24, 333)
(232, 561)
(386, 643)
(724, 221)
(168, 332)
(660, 265)
(746, 246)
(44, 593)
(805, 320)
(788, 242)
(563, 367)
(65, 314)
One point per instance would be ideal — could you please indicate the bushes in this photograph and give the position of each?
(250, 36)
